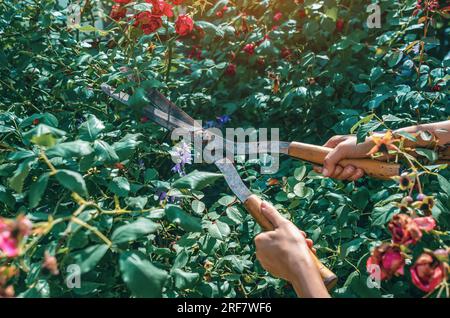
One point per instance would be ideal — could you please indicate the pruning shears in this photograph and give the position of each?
(166, 114)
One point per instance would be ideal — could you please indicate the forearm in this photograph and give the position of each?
(440, 129)
(306, 279)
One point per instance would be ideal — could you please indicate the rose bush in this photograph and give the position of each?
(86, 181)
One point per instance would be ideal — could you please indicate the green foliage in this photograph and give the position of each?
(90, 172)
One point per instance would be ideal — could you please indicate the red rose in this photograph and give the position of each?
(277, 16)
(177, 2)
(389, 260)
(118, 12)
(436, 88)
(426, 223)
(404, 230)
(160, 8)
(249, 48)
(149, 23)
(340, 25)
(35, 121)
(427, 272)
(230, 70)
(184, 25)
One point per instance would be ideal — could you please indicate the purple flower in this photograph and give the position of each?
(181, 155)
(223, 119)
(141, 164)
(209, 124)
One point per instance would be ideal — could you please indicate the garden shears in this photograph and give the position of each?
(163, 112)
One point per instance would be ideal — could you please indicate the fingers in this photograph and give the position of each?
(334, 141)
(331, 160)
(272, 214)
(350, 173)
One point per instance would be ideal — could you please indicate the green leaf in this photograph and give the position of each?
(196, 180)
(382, 215)
(184, 280)
(360, 122)
(445, 184)
(46, 140)
(142, 277)
(139, 98)
(104, 152)
(119, 186)
(427, 153)
(132, 231)
(361, 88)
(88, 258)
(37, 190)
(125, 147)
(197, 206)
(175, 214)
(136, 202)
(91, 128)
(70, 149)
(209, 27)
(217, 229)
(6, 197)
(72, 180)
(299, 173)
(19, 176)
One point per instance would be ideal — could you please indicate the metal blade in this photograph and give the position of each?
(160, 117)
(233, 179)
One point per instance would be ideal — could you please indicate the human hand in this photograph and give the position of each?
(344, 147)
(285, 253)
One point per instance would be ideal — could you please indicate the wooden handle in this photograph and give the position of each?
(316, 154)
(253, 206)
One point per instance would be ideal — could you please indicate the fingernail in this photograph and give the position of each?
(325, 172)
(263, 205)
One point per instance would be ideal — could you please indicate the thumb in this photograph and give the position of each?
(331, 160)
(272, 214)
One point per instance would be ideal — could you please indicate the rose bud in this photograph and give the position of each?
(50, 264)
(389, 259)
(426, 204)
(404, 230)
(427, 272)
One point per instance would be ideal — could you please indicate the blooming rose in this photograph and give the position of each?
(249, 48)
(11, 233)
(404, 230)
(389, 259)
(118, 12)
(286, 53)
(427, 272)
(184, 25)
(160, 8)
(177, 2)
(149, 23)
(230, 70)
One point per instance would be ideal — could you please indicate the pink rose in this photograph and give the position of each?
(277, 16)
(426, 223)
(249, 49)
(389, 259)
(427, 272)
(404, 230)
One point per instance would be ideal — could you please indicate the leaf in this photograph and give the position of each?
(136, 202)
(427, 153)
(365, 129)
(197, 206)
(299, 173)
(207, 26)
(72, 180)
(37, 189)
(362, 121)
(134, 230)
(196, 180)
(184, 280)
(445, 184)
(361, 88)
(70, 149)
(141, 276)
(217, 229)
(139, 98)
(119, 186)
(175, 214)
(235, 214)
(19, 176)
(6, 197)
(104, 152)
(88, 258)
(382, 215)
(91, 128)
(125, 147)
